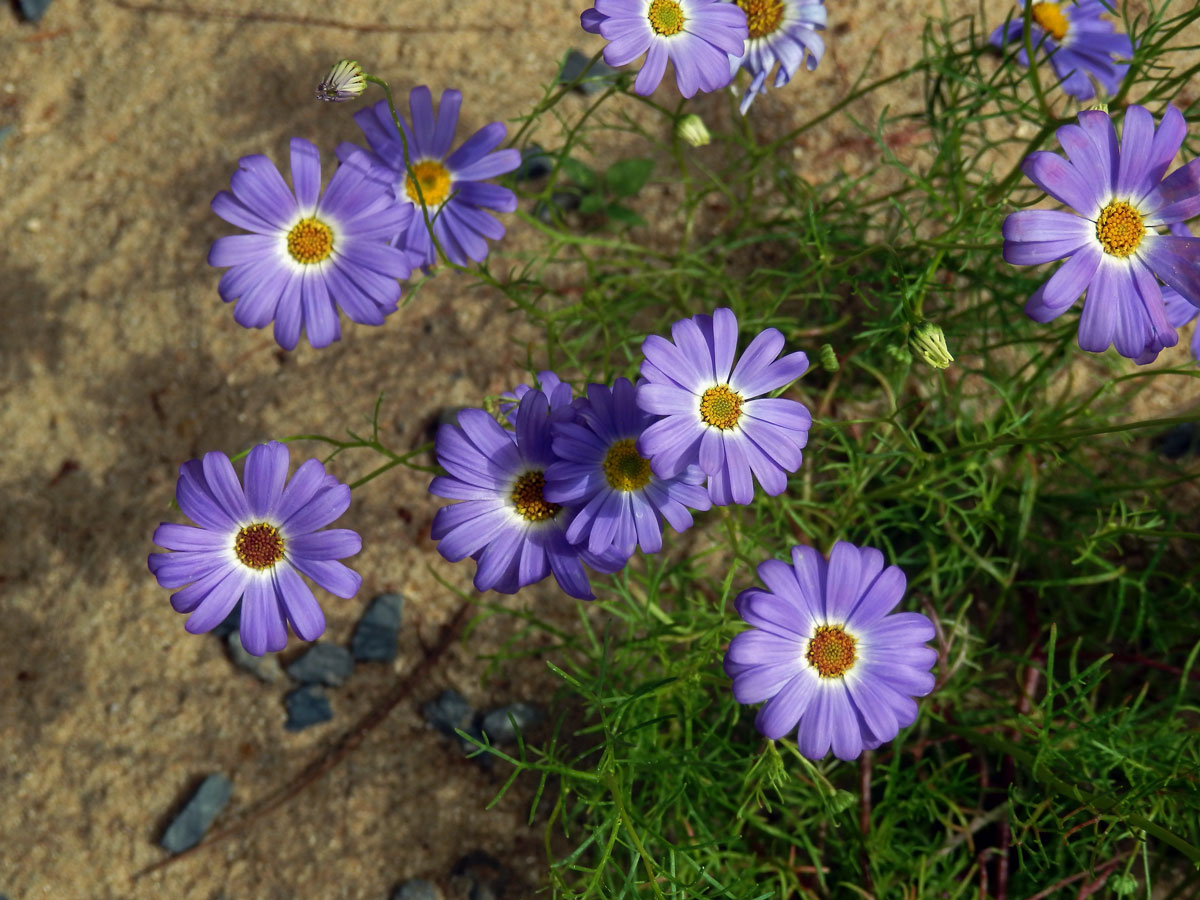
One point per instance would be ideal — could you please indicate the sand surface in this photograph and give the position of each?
(118, 362)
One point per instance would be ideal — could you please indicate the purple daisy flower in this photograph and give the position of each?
(783, 32)
(1111, 248)
(697, 36)
(622, 504)
(710, 414)
(1078, 43)
(826, 655)
(310, 253)
(504, 521)
(252, 545)
(452, 184)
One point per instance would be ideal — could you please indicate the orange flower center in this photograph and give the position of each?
(1051, 18)
(762, 16)
(720, 407)
(434, 181)
(527, 498)
(310, 241)
(831, 651)
(258, 546)
(625, 468)
(666, 17)
(1119, 229)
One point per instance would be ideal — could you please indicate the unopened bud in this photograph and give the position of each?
(829, 360)
(928, 342)
(345, 81)
(693, 130)
(1122, 884)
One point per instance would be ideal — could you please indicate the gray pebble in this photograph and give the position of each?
(265, 668)
(323, 664)
(416, 889)
(498, 727)
(33, 10)
(375, 635)
(194, 819)
(450, 710)
(535, 163)
(306, 706)
(599, 76)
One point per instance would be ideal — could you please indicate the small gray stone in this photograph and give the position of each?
(205, 805)
(535, 163)
(265, 668)
(5, 131)
(33, 10)
(598, 77)
(416, 889)
(498, 727)
(306, 706)
(323, 664)
(375, 636)
(450, 710)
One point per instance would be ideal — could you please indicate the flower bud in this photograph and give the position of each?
(928, 342)
(828, 359)
(345, 81)
(693, 130)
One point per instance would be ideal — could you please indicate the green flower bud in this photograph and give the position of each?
(345, 81)
(928, 342)
(693, 130)
(829, 360)
(1122, 884)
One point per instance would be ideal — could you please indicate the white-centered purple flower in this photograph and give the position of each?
(1077, 41)
(697, 36)
(826, 656)
(252, 543)
(503, 520)
(783, 32)
(310, 252)
(453, 185)
(1112, 251)
(710, 415)
(622, 504)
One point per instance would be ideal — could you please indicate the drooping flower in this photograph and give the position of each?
(825, 654)
(253, 543)
(710, 415)
(622, 504)
(1109, 243)
(310, 253)
(453, 185)
(783, 32)
(697, 36)
(345, 81)
(503, 520)
(1077, 41)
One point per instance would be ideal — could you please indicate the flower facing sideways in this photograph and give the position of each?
(252, 544)
(827, 655)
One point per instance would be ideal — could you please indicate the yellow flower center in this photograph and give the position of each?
(831, 651)
(762, 16)
(258, 546)
(1051, 18)
(666, 17)
(720, 407)
(310, 241)
(1119, 229)
(527, 498)
(625, 468)
(434, 181)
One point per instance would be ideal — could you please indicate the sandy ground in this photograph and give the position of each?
(119, 361)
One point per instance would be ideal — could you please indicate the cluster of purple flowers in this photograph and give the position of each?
(311, 253)
(590, 479)
(709, 41)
